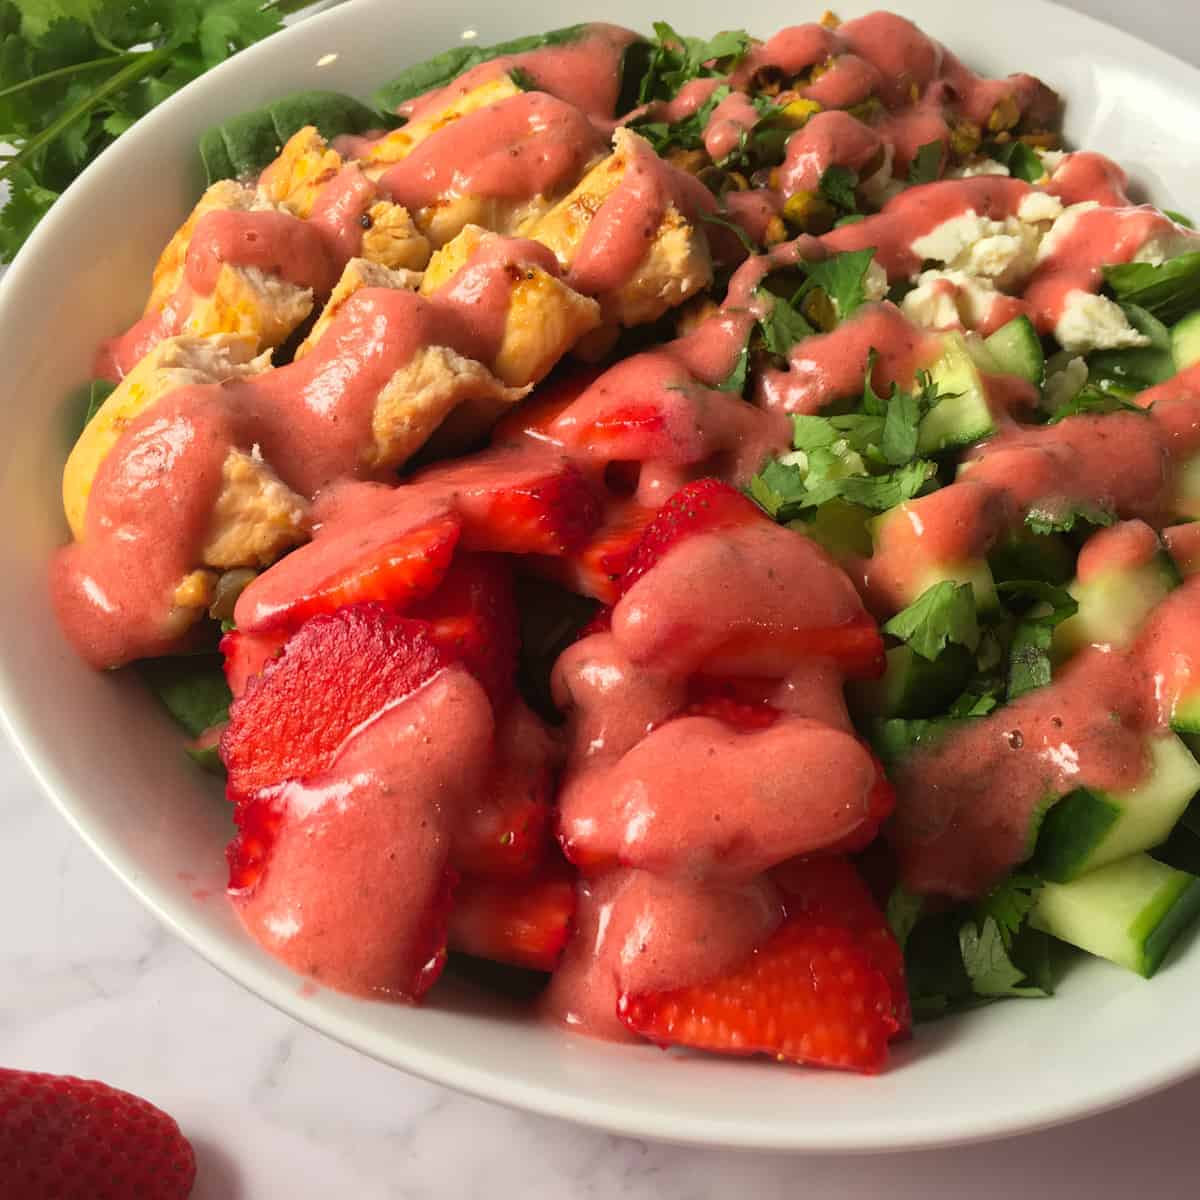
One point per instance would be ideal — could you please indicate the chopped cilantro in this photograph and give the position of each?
(837, 186)
(1064, 520)
(783, 326)
(1009, 903)
(942, 614)
(676, 59)
(926, 166)
(989, 967)
(735, 381)
(1029, 665)
(1095, 398)
(842, 277)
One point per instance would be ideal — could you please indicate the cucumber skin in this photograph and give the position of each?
(1185, 717)
(1185, 342)
(1070, 832)
(1163, 922)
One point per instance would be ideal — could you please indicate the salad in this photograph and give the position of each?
(700, 533)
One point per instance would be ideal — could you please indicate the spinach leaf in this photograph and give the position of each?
(192, 688)
(444, 68)
(240, 147)
(1169, 291)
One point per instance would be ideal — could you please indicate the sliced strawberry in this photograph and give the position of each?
(738, 703)
(505, 834)
(381, 563)
(62, 1137)
(525, 923)
(623, 422)
(336, 674)
(247, 653)
(596, 569)
(517, 501)
(473, 617)
(881, 803)
(809, 994)
(701, 507)
(833, 890)
(533, 420)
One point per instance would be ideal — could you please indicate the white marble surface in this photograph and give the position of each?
(90, 985)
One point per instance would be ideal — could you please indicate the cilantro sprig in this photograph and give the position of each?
(675, 59)
(76, 74)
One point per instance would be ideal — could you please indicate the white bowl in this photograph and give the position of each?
(112, 762)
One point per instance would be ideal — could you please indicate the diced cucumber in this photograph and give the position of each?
(976, 572)
(1114, 603)
(841, 527)
(1128, 912)
(1185, 342)
(912, 686)
(1087, 829)
(1183, 496)
(1017, 350)
(1185, 716)
(963, 416)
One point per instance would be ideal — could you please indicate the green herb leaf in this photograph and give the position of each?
(243, 145)
(1179, 218)
(735, 381)
(742, 236)
(1169, 291)
(1009, 903)
(942, 614)
(1022, 161)
(783, 326)
(903, 912)
(1064, 520)
(837, 186)
(676, 60)
(842, 277)
(1029, 653)
(444, 68)
(926, 166)
(192, 689)
(986, 959)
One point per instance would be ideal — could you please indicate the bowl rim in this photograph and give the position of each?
(445, 1067)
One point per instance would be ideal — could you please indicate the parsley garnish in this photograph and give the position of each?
(842, 277)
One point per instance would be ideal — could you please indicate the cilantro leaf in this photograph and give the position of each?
(881, 492)
(837, 186)
(895, 738)
(1029, 653)
(676, 60)
(942, 614)
(926, 165)
(900, 425)
(842, 277)
(1179, 218)
(985, 956)
(1009, 903)
(1169, 291)
(783, 326)
(735, 381)
(1064, 518)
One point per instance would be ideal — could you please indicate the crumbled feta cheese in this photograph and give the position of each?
(1094, 323)
(1052, 159)
(1005, 251)
(1065, 384)
(947, 299)
(945, 242)
(875, 282)
(1168, 242)
(1062, 227)
(982, 166)
(1037, 207)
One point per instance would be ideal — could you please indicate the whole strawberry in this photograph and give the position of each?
(75, 1139)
